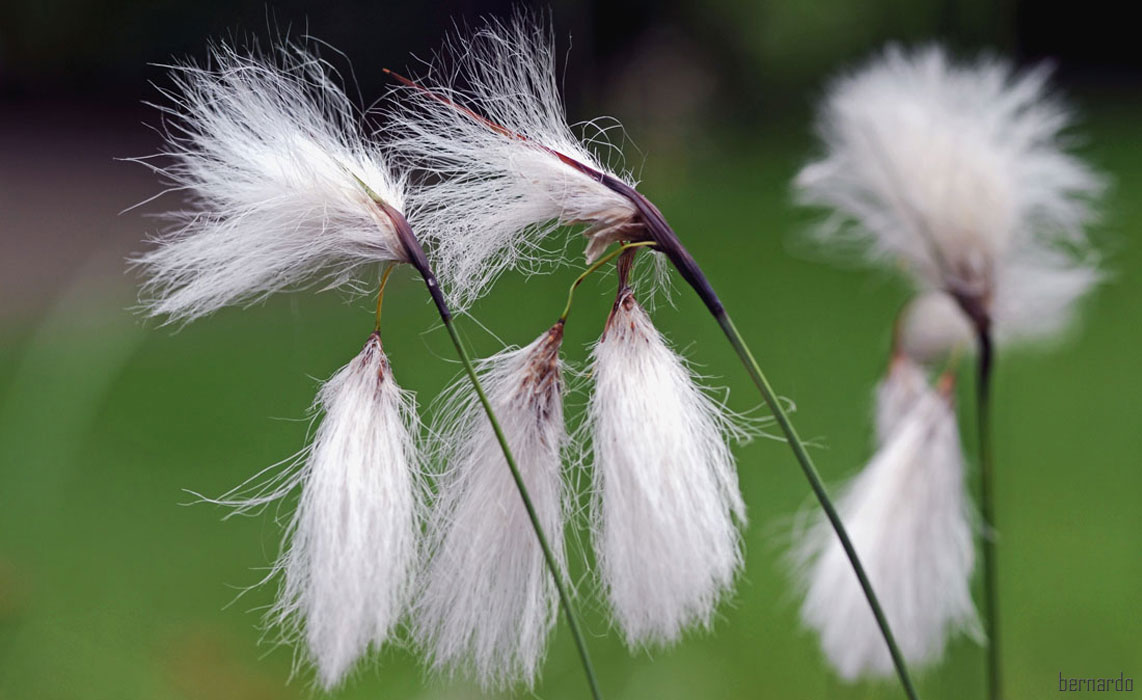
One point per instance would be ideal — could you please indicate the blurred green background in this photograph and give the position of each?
(111, 586)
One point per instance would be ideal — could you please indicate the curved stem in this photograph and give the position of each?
(818, 487)
(595, 266)
(381, 293)
(987, 508)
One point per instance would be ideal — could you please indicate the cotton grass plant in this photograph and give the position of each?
(959, 174)
(403, 533)
(285, 189)
(488, 122)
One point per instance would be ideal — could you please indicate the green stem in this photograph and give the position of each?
(987, 506)
(818, 487)
(381, 293)
(595, 266)
(549, 557)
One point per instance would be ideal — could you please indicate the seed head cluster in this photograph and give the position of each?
(452, 538)
(957, 173)
(424, 536)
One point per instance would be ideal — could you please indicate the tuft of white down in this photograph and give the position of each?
(911, 523)
(270, 156)
(665, 489)
(959, 171)
(487, 601)
(499, 195)
(348, 570)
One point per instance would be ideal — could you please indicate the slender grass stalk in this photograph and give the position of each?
(419, 260)
(595, 266)
(381, 293)
(987, 506)
(818, 487)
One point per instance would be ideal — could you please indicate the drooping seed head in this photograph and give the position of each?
(279, 183)
(349, 556)
(910, 520)
(488, 602)
(958, 171)
(488, 122)
(666, 503)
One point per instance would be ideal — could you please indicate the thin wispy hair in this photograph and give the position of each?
(487, 602)
(960, 170)
(910, 520)
(276, 172)
(666, 504)
(501, 187)
(350, 552)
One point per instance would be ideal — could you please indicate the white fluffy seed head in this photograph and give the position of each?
(269, 152)
(958, 171)
(488, 602)
(911, 523)
(350, 566)
(665, 489)
(932, 328)
(349, 561)
(502, 189)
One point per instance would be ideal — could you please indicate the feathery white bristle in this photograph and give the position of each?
(500, 195)
(932, 328)
(959, 171)
(348, 569)
(270, 154)
(911, 523)
(665, 489)
(488, 602)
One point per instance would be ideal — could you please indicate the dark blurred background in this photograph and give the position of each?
(753, 56)
(110, 589)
